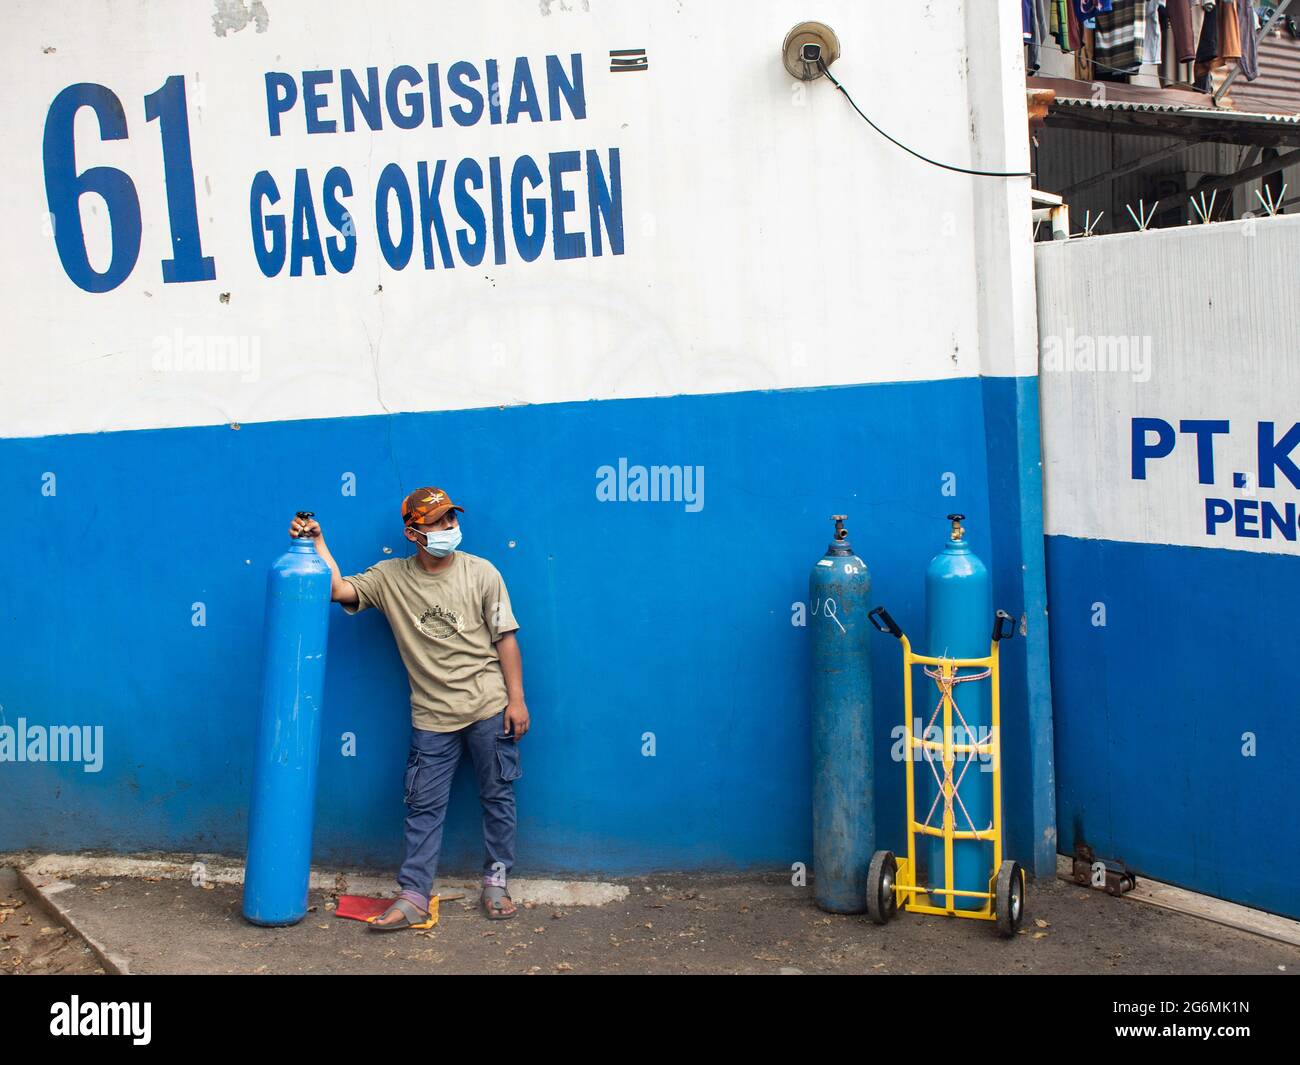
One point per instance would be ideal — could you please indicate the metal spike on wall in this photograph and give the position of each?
(1143, 217)
(1271, 205)
(1090, 223)
(1206, 214)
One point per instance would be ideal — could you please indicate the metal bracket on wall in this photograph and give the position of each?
(1048, 207)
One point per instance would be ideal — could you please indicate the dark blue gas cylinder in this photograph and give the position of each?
(844, 809)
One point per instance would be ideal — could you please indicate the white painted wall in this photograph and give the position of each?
(1004, 257)
(772, 239)
(1215, 307)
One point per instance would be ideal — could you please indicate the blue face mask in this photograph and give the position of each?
(442, 543)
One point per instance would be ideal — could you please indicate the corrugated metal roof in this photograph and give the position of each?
(1278, 86)
(1220, 114)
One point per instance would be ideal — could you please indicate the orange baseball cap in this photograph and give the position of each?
(426, 505)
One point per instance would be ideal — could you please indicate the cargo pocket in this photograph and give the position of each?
(412, 771)
(508, 760)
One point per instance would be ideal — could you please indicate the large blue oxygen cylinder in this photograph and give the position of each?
(288, 739)
(844, 808)
(959, 614)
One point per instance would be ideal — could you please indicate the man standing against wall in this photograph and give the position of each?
(451, 619)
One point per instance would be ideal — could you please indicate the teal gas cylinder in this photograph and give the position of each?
(844, 809)
(958, 606)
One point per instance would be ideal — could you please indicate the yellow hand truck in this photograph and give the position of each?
(893, 883)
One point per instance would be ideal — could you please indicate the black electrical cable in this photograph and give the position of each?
(932, 162)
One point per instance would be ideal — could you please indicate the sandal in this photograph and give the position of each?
(412, 917)
(491, 901)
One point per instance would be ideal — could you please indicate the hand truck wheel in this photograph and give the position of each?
(1010, 898)
(882, 903)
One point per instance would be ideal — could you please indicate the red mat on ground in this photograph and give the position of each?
(361, 907)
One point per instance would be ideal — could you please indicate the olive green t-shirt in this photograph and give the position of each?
(446, 625)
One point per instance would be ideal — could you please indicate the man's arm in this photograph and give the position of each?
(341, 591)
(512, 668)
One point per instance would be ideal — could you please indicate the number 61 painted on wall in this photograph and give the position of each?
(64, 187)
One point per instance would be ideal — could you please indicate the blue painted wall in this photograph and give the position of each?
(636, 617)
(1151, 708)
(1020, 588)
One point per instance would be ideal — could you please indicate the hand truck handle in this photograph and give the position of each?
(998, 621)
(884, 623)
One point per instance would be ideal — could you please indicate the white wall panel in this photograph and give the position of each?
(1180, 325)
(772, 239)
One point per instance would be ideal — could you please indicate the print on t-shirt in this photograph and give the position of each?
(440, 623)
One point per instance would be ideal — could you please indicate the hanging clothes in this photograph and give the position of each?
(1207, 48)
(1151, 50)
(1081, 45)
(1229, 33)
(1180, 23)
(1076, 29)
(1061, 25)
(1121, 33)
(1083, 15)
(1034, 19)
(1229, 36)
(1247, 20)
